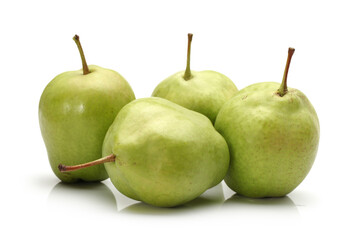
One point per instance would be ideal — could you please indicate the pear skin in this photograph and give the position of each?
(204, 91)
(166, 155)
(75, 112)
(273, 139)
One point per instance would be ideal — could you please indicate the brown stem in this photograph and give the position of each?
(283, 89)
(109, 158)
(188, 74)
(85, 68)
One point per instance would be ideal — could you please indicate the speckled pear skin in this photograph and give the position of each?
(273, 140)
(166, 155)
(205, 92)
(75, 112)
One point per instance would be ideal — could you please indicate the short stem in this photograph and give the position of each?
(188, 74)
(283, 89)
(85, 68)
(109, 158)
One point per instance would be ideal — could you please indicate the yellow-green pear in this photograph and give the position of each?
(204, 92)
(75, 111)
(273, 134)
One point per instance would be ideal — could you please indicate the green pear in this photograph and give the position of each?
(204, 92)
(273, 133)
(75, 111)
(161, 153)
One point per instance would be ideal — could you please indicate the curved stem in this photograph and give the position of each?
(85, 68)
(283, 89)
(187, 74)
(109, 158)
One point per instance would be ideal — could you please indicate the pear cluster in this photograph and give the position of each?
(194, 131)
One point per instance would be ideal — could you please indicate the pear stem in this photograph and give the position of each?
(109, 158)
(188, 74)
(85, 68)
(283, 89)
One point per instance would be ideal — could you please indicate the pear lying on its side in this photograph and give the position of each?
(273, 133)
(163, 154)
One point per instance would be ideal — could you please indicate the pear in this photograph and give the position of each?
(161, 153)
(75, 111)
(273, 134)
(204, 92)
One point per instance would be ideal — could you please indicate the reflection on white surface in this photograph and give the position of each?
(212, 198)
(264, 207)
(104, 198)
(82, 197)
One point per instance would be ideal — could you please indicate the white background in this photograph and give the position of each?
(146, 41)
